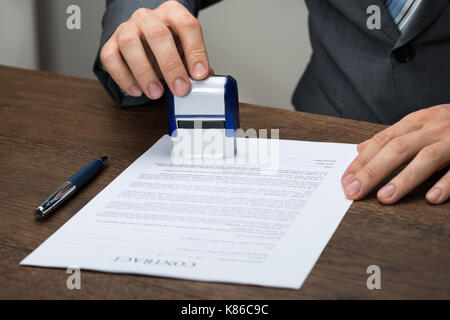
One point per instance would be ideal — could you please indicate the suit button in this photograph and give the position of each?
(405, 54)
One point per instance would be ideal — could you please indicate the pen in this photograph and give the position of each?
(69, 187)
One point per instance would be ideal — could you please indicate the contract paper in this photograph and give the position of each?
(261, 218)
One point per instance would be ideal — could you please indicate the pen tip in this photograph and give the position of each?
(104, 159)
(38, 213)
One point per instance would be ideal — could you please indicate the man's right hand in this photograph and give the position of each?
(163, 43)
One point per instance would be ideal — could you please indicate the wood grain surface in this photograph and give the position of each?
(51, 126)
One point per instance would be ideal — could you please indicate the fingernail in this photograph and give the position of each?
(200, 70)
(135, 90)
(347, 178)
(387, 191)
(434, 194)
(155, 90)
(180, 86)
(352, 188)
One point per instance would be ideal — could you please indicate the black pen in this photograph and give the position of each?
(68, 188)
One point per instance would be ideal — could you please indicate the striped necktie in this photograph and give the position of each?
(402, 11)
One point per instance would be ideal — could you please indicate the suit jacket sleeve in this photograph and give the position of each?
(117, 12)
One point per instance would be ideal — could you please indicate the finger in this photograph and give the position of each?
(377, 143)
(133, 52)
(360, 147)
(189, 31)
(440, 191)
(152, 59)
(429, 160)
(163, 46)
(393, 155)
(113, 63)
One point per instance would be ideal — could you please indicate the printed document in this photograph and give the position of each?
(259, 218)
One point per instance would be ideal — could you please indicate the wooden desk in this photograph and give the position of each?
(52, 125)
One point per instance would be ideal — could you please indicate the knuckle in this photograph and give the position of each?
(140, 13)
(170, 4)
(127, 38)
(439, 129)
(430, 152)
(158, 32)
(171, 65)
(437, 109)
(121, 78)
(398, 146)
(121, 26)
(405, 178)
(419, 115)
(188, 21)
(140, 71)
(361, 161)
(445, 125)
(107, 54)
(197, 51)
(381, 138)
(369, 171)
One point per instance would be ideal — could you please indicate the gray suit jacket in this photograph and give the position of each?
(357, 73)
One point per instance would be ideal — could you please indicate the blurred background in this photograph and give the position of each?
(264, 44)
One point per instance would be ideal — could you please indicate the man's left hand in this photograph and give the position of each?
(424, 137)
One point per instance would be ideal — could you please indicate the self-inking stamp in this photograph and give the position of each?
(202, 124)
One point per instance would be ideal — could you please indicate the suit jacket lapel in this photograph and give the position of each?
(428, 11)
(388, 24)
